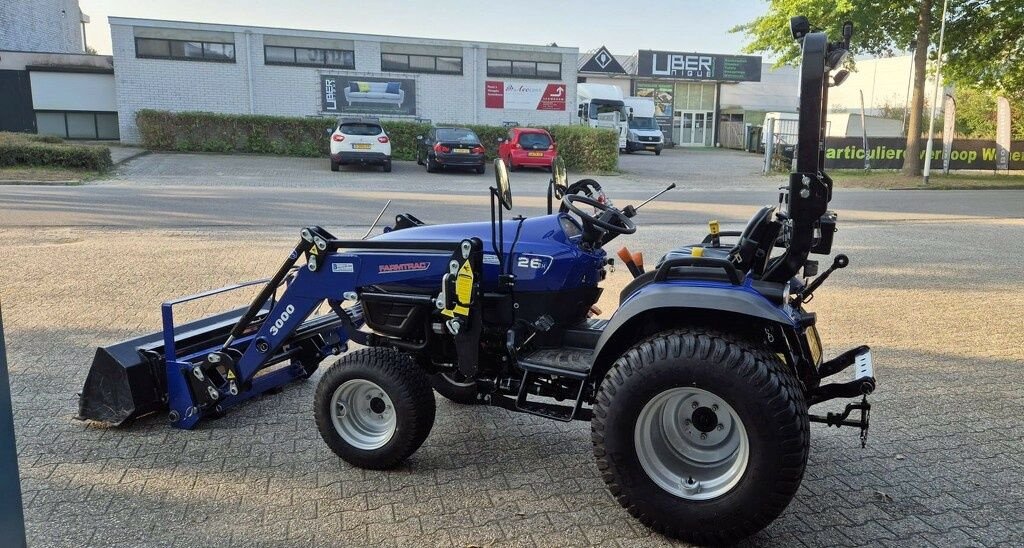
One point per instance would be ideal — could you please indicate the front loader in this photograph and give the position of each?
(698, 387)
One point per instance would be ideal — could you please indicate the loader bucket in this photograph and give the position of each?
(123, 383)
(129, 379)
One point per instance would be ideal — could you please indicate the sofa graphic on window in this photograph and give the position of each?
(388, 93)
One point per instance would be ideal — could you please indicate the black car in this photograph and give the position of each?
(444, 147)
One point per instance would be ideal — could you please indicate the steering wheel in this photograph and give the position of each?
(588, 187)
(626, 225)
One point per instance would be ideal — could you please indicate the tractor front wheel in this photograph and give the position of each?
(374, 408)
(701, 436)
(455, 387)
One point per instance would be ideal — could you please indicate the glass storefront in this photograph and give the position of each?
(693, 122)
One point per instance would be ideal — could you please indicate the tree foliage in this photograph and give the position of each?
(983, 48)
(985, 45)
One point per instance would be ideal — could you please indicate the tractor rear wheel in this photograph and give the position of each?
(455, 387)
(374, 408)
(701, 436)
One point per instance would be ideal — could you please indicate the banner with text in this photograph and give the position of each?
(887, 153)
(524, 95)
(361, 94)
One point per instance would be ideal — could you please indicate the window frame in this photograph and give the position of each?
(511, 69)
(95, 123)
(409, 68)
(171, 57)
(295, 57)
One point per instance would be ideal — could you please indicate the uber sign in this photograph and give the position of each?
(698, 66)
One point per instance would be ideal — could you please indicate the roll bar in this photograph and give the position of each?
(806, 199)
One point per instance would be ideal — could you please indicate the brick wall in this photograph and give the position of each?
(41, 25)
(294, 91)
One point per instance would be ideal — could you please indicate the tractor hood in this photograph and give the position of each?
(545, 258)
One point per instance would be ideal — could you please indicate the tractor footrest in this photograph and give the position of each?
(559, 365)
(574, 363)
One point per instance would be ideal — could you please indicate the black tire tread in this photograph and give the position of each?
(767, 375)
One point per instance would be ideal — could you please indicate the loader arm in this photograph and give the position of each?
(204, 367)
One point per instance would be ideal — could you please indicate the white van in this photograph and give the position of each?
(643, 131)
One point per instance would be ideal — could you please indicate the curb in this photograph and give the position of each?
(132, 157)
(27, 182)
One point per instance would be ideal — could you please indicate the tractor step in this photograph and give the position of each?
(563, 362)
(569, 365)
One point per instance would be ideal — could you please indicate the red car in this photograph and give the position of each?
(527, 147)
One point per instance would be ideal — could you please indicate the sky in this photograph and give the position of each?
(624, 26)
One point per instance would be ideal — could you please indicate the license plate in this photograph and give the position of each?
(461, 151)
(536, 154)
(361, 146)
(649, 147)
(862, 367)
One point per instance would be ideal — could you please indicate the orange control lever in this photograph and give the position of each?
(638, 260)
(627, 259)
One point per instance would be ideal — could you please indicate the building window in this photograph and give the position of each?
(309, 57)
(77, 125)
(402, 62)
(524, 69)
(186, 50)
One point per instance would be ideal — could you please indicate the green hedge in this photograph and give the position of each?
(21, 149)
(582, 148)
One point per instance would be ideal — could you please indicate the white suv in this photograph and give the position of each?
(360, 141)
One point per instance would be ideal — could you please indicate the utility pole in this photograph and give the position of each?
(935, 96)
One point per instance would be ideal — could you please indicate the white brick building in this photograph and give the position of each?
(53, 26)
(180, 66)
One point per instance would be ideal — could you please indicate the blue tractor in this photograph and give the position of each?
(697, 387)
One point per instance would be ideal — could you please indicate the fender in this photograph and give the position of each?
(689, 298)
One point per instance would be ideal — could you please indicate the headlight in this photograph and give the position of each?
(814, 344)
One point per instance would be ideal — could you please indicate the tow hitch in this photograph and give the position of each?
(862, 385)
(842, 419)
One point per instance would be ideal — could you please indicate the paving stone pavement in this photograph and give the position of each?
(944, 463)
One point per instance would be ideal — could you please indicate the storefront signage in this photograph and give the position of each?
(363, 95)
(660, 93)
(604, 62)
(698, 66)
(524, 95)
(888, 152)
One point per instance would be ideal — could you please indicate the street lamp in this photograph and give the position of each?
(935, 97)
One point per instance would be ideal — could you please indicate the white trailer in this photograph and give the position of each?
(601, 105)
(643, 131)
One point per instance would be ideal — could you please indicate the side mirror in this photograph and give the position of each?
(559, 178)
(847, 32)
(504, 189)
(581, 111)
(328, 132)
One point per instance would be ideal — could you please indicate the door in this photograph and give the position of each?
(16, 111)
(696, 128)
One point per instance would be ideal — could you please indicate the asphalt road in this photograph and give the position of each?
(933, 287)
(191, 191)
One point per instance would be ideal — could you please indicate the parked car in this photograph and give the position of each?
(360, 141)
(527, 147)
(444, 147)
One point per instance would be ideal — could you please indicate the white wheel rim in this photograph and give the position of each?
(691, 443)
(363, 414)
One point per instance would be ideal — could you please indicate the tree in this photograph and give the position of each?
(984, 44)
(987, 39)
